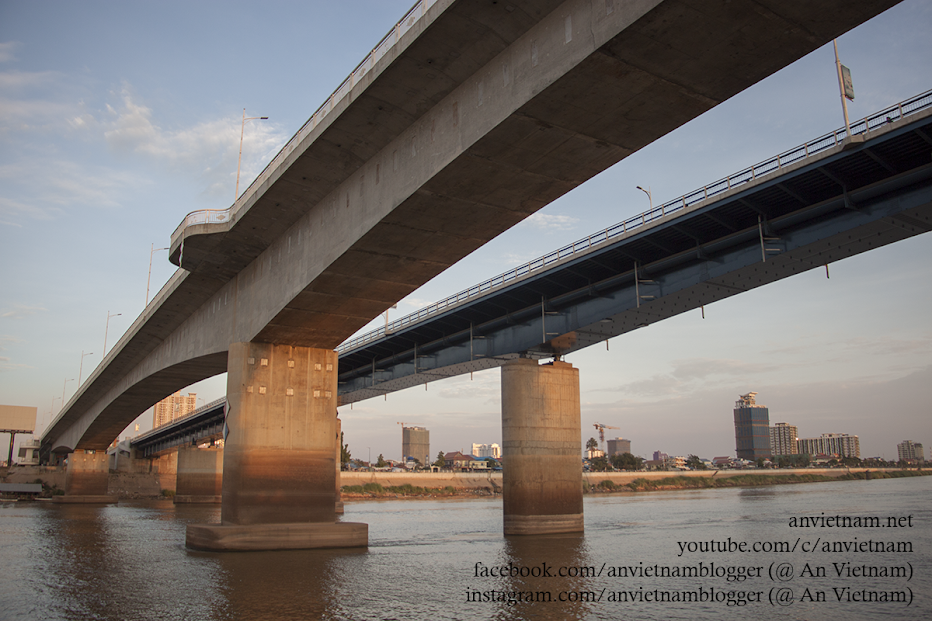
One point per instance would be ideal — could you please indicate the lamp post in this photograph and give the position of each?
(107, 329)
(81, 368)
(649, 197)
(63, 391)
(152, 251)
(842, 87)
(242, 130)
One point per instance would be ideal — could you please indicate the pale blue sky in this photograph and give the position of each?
(116, 119)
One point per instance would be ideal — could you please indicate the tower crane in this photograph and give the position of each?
(602, 429)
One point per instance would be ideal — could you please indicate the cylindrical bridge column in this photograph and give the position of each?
(541, 448)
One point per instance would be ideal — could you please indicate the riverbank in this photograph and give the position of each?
(362, 485)
(381, 485)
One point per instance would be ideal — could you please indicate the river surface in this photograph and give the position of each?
(443, 559)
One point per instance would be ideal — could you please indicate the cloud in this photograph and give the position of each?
(18, 312)
(53, 185)
(5, 362)
(701, 368)
(6, 51)
(209, 148)
(550, 222)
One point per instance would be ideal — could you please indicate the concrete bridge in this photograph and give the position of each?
(469, 118)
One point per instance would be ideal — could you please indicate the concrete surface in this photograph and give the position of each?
(300, 536)
(541, 436)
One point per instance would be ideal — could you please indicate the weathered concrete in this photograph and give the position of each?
(541, 439)
(338, 504)
(200, 475)
(87, 477)
(280, 453)
(482, 115)
(301, 536)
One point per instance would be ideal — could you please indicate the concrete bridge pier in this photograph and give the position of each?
(279, 487)
(338, 498)
(200, 475)
(541, 440)
(86, 478)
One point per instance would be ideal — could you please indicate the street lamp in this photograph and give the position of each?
(81, 368)
(63, 391)
(649, 197)
(107, 329)
(152, 251)
(242, 130)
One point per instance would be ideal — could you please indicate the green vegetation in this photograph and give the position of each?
(627, 461)
(376, 489)
(345, 455)
(168, 493)
(745, 480)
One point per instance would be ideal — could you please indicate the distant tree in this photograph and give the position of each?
(760, 462)
(851, 462)
(626, 461)
(592, 444)
(381, 463)
(695, 463)
(441, 460)
(598, 464)
(345, 456)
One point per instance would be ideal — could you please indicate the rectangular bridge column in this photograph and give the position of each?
(200, 475)
(281, 437)
(541, 448)
(87, 476)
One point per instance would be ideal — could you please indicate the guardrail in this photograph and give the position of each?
(761, 169)
(388, 42)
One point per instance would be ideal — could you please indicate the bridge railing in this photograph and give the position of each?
(769, 166)
(211, 216)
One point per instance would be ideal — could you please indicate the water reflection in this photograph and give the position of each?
(534, 588)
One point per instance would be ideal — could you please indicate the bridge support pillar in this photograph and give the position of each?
(338, 504)
(200, 475)
(278, 458)
(86, 478)
(541, 444)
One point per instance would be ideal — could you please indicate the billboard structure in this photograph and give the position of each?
(16, 419)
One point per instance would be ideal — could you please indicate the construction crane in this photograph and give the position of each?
(602, 429)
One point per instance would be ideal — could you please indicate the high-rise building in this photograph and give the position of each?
(907, 450)
(173, 407)
(783, 439)
(487, 450)
(415, 444)
(618, 446)
(752, 428)
(840, 444)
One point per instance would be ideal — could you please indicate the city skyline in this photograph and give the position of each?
(104, 153)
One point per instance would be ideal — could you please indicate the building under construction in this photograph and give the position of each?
(415, 444)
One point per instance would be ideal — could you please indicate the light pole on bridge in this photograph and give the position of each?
(81, 368)
(107, 328)
(242, 130)
(152, 251)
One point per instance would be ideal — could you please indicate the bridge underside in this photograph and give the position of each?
(846, 203)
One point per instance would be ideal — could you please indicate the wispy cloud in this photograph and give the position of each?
(550, 222)
(6, 51)
(209, 148)
(6, 363)
(17, 312)
(58, 184)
